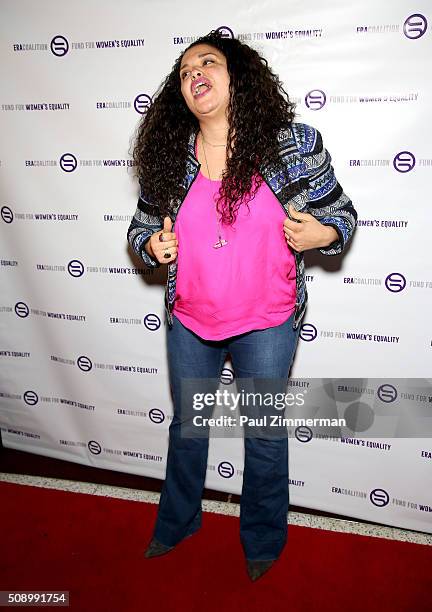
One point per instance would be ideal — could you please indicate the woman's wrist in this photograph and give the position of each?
(148, 249)
(331, 235)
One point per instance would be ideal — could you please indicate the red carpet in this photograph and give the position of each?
(93, 547)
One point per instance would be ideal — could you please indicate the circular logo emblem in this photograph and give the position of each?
(22, 310)
(59, 46)
(395, 282)
(142, 103)
(68, 162)
(308, 332)
(84, 363)
(75, 268)
(303, 434)
(226, 469)
(415, 26)
(387, 393)
(152, 322)
(404, 161)
(379, 497)
(7, 214)
(94, 447)
(31, 398)
(315, 99)
(156, 415)
(227, 376)
(225, 32)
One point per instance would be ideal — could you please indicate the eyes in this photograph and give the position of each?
(186, 72)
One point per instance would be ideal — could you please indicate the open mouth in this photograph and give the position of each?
(201, 89)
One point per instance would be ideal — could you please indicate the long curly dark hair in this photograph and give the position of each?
(258, 108)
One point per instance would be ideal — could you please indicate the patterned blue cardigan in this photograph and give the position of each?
(308, 183)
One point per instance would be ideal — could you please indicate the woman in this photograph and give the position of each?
(219, 155)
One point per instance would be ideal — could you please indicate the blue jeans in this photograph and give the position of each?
(266, 353)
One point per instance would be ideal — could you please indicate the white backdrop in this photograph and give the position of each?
(83, 360)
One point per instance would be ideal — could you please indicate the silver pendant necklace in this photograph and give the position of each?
(221, 241)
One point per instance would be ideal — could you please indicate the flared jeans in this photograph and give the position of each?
(259, 355)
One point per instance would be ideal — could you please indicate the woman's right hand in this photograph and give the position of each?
(163, 242)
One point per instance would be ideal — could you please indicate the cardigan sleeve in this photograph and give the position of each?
(327, 201)
(145, 222)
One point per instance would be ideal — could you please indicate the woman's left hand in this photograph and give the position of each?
(309, 234)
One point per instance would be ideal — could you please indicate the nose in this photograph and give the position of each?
(195, 72)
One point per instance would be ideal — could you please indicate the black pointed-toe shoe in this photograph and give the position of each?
(257, 568)
(156, 548)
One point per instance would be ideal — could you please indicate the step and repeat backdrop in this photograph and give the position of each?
(83, 333)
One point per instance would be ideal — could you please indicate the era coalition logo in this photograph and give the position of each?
(6, 214)
(84, 363)
(94, 447)
(308, 332)
(415, 26)
(387, 393)
(315, 99)
(404, 161)
(225, 32)
(22, 310)
(59, 46)
(379, 497)
(227, 376)
(152, 322)
(75, 268)
(303, 434)
(395, 282)
(156, 416)
(30, 397)
(225, 469)
(142, 103)
(68, 162)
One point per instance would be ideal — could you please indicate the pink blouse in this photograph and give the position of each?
(250, 283)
